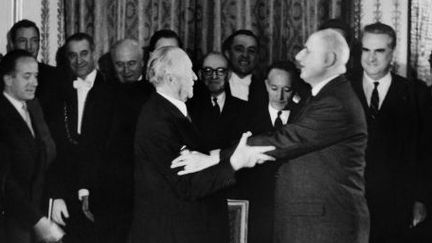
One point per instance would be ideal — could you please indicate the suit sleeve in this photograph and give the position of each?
(158, 145)
(323, 123)
(16, 204)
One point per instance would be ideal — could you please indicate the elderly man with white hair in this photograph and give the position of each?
(320, 188)
(169, 207)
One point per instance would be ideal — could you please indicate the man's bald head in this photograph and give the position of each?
(127, 57)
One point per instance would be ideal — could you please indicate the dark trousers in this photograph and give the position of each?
(78, 228)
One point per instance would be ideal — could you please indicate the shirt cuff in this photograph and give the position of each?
(82, 193)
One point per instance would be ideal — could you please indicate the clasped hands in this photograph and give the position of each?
(244, 156)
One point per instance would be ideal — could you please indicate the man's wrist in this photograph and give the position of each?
(83, 193)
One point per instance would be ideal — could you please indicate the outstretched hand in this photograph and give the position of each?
(246, 156)
(193, 162)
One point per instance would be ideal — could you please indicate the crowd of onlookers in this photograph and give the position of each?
(67, 133)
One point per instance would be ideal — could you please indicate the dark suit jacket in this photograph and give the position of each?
(25, 163)
(257, 91)
(257, 184)
(394, 154)
(48, 91)
(320, 190)
(171, 208)
(79, 155)
(218, 132)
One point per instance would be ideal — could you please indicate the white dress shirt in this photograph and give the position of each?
(273, 115)
(19, 107)
(240, 86)
(83, 87)
(383, 87)
(220, 100)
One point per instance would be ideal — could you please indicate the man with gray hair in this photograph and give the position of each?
(168, 207)
(112, 198)
(320, 190)
(320, 184)
(127, 58)
(396, 109)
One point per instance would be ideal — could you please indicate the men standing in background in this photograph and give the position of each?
(393, 106)
(112, 197)
(29, 149)
(320, 185)
(25, 35)
(81, 133)
(216, 113)
(242, 51)
(257, 184)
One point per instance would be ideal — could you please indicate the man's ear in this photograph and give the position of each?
(200, 75)
(169, 78)
(330, 59)
(7, 80)
(267, 84)
(226, 54)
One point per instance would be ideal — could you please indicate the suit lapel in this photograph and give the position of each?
(15, 122)
(395, 97)
(186, 129)
(358, 89)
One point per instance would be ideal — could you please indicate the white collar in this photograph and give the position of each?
(177, 103)
(16, 103)
(316, 89)
(220, 99)
(273, 114)
(91, 77)
(246, 80)
(382, 81)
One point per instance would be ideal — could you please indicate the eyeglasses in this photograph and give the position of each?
(208, 71)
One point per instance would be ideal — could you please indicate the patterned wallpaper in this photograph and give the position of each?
(395, 14)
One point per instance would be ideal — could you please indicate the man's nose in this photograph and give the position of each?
(34, 81)
(282, 95)
(372, 57)
(299, 56)
(214, 74)
(28, 46)
(194, 77)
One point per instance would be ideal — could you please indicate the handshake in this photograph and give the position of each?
(244, 156)
(48, 231)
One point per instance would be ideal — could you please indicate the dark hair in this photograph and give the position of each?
(8, 63)
(338, 24)
(380, 28)
(25, 23)
(289, 67)
(79, 37)
(165, 33)
(228, 41)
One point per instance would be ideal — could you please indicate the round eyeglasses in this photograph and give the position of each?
(208, 71)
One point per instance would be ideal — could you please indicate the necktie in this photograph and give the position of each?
(27, 118)
(216, 108)
(278, 121)
(374, 103)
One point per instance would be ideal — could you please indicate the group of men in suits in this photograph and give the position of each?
(104, 147)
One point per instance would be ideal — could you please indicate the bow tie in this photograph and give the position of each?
(82, 84)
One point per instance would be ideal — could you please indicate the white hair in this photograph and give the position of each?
(127, 43)
(337, 44)
(160, 62)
